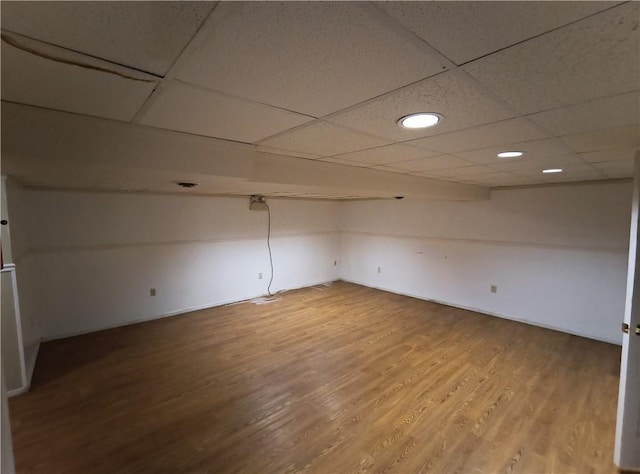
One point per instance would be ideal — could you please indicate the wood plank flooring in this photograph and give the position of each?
(328, 379)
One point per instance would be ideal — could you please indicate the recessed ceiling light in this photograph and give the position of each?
(420, 120)
(510, 154)
(552, 170)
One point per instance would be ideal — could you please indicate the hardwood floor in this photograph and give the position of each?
(328, 379)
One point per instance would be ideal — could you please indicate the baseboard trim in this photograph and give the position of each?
(32, 365)
(489, 313)
(181, 311)
(29, 374)
(324, 282)
(17, 391)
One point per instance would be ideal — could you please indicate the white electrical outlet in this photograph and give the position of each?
(152, 292)
(260, 276)
(494, 288)
(379, 269)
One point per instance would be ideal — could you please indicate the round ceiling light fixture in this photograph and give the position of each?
(510, 154)
(552, 170)
(420, 120)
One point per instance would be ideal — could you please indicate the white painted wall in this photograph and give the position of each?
(26, 334)
(557, 254)
(96, 255)
(7, 465)
(11, 341)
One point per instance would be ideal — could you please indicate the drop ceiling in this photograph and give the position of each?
(318, 87)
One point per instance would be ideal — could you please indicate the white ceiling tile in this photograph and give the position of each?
(499, 178)
(323, 56)
(322, 138)
(387, 154)
(527, 164)
(568, 178)
(278, 151)
(610, 112)
(494, 178)
(391, 170)
(608, 155)
(513, 180)
(534, 149)
(569, 173)
(463, 31)
(144, 35)
(333, 159)
(616, 169)
(614, 139)
(434, 163)
(462, 173)
(59, 79)
(498, 133)
(185, 108)
(461, 104)
(310, 57)
(593, 58)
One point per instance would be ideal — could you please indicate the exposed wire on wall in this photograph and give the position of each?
(269, 247)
